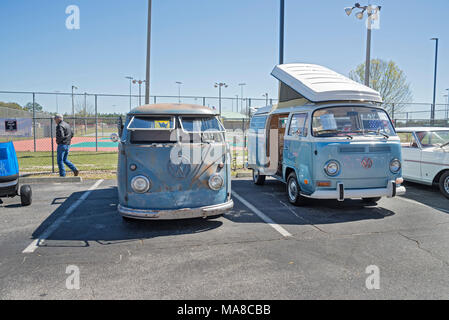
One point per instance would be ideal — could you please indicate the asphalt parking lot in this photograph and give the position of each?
(313, 252)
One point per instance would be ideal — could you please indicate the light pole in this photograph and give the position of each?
(241, 102)
(281, 32)
(373, 14)
(219, 86)
(266, 98)
(447, 106)
(73, 108)
(432, 112)
(147, 81)
(139, 82)
(179, 83)
(130, 91)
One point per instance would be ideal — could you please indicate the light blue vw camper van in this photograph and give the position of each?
(174, 163)
(327, 138)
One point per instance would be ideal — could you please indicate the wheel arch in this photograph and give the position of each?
(436, 180)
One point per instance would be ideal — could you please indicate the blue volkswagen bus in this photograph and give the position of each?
(174, 163)
(327, 138)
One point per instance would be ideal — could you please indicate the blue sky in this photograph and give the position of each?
(200, 42)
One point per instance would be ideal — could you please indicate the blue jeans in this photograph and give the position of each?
(63, 153)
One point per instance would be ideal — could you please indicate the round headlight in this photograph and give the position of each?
(395, 165)
(216, 182)
(332, 168)
(140, 184)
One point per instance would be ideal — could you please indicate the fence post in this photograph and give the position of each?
(52, 147)
(34, 121)
(96, 123)
(204, 101)
(155, 99)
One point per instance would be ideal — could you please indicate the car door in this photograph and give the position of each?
(296, 150)
(411, 156)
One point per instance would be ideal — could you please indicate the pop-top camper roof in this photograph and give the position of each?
(319, 84)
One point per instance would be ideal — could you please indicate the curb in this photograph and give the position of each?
(25, 180)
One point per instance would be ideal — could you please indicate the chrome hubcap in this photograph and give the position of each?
(292, 189)
(446, 184)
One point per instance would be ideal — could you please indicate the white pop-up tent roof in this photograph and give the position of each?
(319, 84)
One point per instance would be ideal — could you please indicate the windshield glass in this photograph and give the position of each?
(205, 129)
(351, 121)
(146, 123)
(433, 138)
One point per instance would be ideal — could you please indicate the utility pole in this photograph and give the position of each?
(241, 97)
(281, 32)
(179, 83)
(432, 112)
(147, 82)
(219, 86)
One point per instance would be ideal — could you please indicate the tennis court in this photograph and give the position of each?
(78, 144)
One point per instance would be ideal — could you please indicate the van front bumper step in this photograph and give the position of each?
(185, 213)
(341, 193)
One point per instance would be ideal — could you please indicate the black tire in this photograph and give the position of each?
(258, 178)
(444, 184)
(26, 195)
(371, 200)
(293, 191)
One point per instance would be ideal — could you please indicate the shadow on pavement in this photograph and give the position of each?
(428, 195)
(272, 200)
(97, 219)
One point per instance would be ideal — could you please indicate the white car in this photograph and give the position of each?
(425, 156)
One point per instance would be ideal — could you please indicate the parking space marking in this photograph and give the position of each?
(48, 232)
(261, 215)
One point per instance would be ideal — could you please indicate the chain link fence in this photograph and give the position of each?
(94, 117)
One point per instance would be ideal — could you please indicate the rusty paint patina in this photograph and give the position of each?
(170, 192)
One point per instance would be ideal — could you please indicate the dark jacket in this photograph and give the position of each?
(64, 134)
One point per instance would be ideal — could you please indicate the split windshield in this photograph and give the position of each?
(351, 121)
(202, 129)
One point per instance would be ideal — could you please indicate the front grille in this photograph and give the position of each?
(379, 149)
(351, 149)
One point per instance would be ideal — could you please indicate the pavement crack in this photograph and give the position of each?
(418, 244)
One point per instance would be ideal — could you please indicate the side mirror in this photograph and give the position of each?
(120, 127)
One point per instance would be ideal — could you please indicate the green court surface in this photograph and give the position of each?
(92, 144)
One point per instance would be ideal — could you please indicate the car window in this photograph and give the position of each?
(150, 123)
(407, 140)
(298, 125)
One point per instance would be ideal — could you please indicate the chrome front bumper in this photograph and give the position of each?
(341, 193)
(186, 213)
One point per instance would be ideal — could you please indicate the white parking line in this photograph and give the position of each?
(261, 215)
(48, 232)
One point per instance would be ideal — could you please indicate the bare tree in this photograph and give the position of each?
(389, 80)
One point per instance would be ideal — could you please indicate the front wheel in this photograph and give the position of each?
(258, 178)
(293, 191)
(444, 184)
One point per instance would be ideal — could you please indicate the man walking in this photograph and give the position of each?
(64, 135)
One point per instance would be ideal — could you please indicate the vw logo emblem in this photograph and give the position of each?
(367, 163)
(180, 170)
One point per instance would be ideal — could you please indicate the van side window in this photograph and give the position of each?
(298, 125)
(258, 122)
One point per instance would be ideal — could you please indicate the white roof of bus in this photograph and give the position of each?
(319, 84)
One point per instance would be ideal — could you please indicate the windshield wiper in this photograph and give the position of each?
(378, 133)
